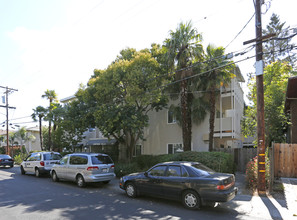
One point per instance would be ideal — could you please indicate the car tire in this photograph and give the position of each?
(80, 181)
(22, 170)
(55, 177)
(191, 200)
(131, 190)
(37, 172)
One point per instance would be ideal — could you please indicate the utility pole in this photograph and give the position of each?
(260, 102)
(260, 97)
(7, 90)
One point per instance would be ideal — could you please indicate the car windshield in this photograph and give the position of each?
(201, 170)
(52, 156)
(101, 159)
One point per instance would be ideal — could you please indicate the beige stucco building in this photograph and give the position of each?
(164, 135)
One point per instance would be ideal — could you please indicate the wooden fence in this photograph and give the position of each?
(241, 156)
(285, 160)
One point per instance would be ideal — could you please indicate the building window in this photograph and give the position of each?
(137, 150)
(174, 148)
(171, 119)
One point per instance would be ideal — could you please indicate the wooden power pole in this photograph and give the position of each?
(260, 101)
(260, 97)
(7, 90)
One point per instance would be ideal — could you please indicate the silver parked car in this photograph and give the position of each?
(40, 162)
(83, 168)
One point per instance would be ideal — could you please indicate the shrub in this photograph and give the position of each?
(18, 159)
(252, 173)
(218, 161)
(122, 169)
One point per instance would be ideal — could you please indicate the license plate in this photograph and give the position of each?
(104, 170)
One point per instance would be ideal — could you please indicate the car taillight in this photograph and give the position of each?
(92, 168)
(0, 160)
(223, 187)
(42, 163)
(112, 166)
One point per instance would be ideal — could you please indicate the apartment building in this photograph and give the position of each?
(164, 135)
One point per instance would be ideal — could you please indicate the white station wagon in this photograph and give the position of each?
(84, 168)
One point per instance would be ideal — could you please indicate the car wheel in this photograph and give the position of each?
(191, 200)
(130, 190)
(22, 170)
(106, 182)
(55, 177)
(80, 181)
(37, 172)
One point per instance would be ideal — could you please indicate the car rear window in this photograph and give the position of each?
(52, 156)
(5, 156)
(101, 159)
(201, 170)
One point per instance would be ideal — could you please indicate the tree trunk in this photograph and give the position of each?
(49, 135)
(212, 113)
(40, 133)
(186, 117)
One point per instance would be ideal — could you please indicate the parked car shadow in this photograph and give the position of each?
(96, 201)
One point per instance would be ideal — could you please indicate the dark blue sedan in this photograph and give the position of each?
(190, 182)
(6, 160)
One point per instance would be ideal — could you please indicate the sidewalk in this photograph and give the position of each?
(264, 207)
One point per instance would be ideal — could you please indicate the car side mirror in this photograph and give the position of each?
(146, 173)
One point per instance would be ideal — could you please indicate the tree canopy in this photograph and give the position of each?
(275, 84)
(120, 97)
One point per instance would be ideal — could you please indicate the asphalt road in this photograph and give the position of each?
(28, 197)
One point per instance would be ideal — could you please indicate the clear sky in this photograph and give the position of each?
(56, 44)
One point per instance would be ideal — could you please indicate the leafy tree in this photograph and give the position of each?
(39, 112)
(52, 97)
(183, 47)
(121, 96)
(277, 49)
(213, 79)
(275, 84)
(70, 130)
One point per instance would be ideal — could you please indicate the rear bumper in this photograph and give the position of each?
(221, 196)
(6, 163)
(99, 178)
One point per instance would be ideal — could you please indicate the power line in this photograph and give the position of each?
(241, 30)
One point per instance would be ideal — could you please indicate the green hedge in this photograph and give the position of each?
(218, 161)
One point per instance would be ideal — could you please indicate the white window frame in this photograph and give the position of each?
(173, 144)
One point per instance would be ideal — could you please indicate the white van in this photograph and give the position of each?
(40, 162)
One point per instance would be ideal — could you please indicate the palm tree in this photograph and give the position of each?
(39, 112)
(213, 80)
(51, 96)
(182, 48)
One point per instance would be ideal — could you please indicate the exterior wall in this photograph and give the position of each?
(160, 133)
(33, 145)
